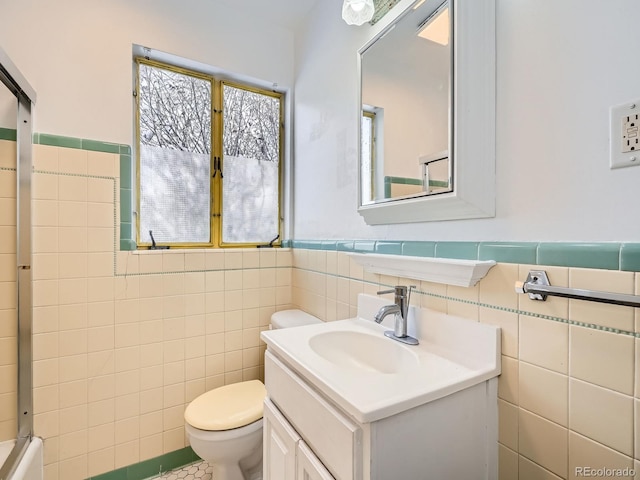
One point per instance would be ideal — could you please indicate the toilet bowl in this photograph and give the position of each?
(224, 425)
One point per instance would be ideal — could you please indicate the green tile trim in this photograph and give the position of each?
(403, 180)
(127, 242)
(308, 244)
(419, 249)
(80, 143)
(329, 245)
(126, 214)
(630, 257)
(96, 146)
(584, 255)
(126, 173)
(126, 230)
(58, 141)
(389, 247)
(152, 467)
(460, 250)
(389, 180)
(364, 246)
(508, 252)
(606, 256)
(344, 246)
(127, 245)
(10, 134)
(439, 183)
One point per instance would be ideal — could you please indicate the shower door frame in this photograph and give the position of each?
(11, 77)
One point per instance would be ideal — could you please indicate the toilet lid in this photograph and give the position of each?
(224, 408)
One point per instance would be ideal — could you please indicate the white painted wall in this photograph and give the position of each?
(77, 54)
(560, 66)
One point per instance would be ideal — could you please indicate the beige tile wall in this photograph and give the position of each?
(8, 319)
(123, 341)
(569, 393)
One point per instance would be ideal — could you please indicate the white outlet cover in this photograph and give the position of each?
(618, 158)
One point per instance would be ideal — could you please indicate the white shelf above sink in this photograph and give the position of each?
(451, 271)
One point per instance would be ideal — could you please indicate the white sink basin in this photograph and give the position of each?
(371, 376)
(361, 351)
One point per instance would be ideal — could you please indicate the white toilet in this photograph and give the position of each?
(224, 425)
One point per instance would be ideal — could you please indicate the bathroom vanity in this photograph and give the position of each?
(345, 402)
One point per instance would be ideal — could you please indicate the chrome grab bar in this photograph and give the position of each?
(538, 287)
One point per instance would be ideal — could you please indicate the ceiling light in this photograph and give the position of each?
(436, 27)
(357, 12)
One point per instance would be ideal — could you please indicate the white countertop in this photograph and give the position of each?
(453, 354)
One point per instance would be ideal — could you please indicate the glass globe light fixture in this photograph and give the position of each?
(357, 12)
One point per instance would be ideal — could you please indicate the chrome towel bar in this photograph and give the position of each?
(538, 287)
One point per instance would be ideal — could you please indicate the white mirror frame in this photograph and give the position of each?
(473, 143)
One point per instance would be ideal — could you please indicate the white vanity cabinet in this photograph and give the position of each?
(286, 456)
(309, 466)
(308, 437)
(280, 442)
(300, 418)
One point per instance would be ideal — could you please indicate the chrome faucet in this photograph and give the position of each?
(401, 310)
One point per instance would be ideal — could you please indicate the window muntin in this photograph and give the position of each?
(209, 159)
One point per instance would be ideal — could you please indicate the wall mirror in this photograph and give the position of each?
(427, 113)
(405, 89)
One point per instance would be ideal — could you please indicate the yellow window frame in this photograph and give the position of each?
(216, 189)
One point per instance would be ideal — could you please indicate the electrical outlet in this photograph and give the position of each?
(624, 141)
(630, 133)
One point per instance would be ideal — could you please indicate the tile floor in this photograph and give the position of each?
(196, 471)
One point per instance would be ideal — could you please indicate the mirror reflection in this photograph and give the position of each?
(405, 98)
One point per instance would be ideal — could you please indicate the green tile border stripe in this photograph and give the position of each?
(10, 134)
(126, 243)
(152, 467)
(487, 305)
(80, 143)
(389, 181)
(403, 180)
(604, 256)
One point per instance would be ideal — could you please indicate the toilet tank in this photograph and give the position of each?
(292, 318)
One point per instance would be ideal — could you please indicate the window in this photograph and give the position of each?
(209, 159)
(367, 155)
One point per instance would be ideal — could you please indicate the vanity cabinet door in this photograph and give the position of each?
(334, 438)
(279, 445)
(309, 467)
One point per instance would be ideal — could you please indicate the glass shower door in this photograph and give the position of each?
(8, 282)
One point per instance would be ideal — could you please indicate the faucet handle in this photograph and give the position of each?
(399, 290)
(384, 292)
